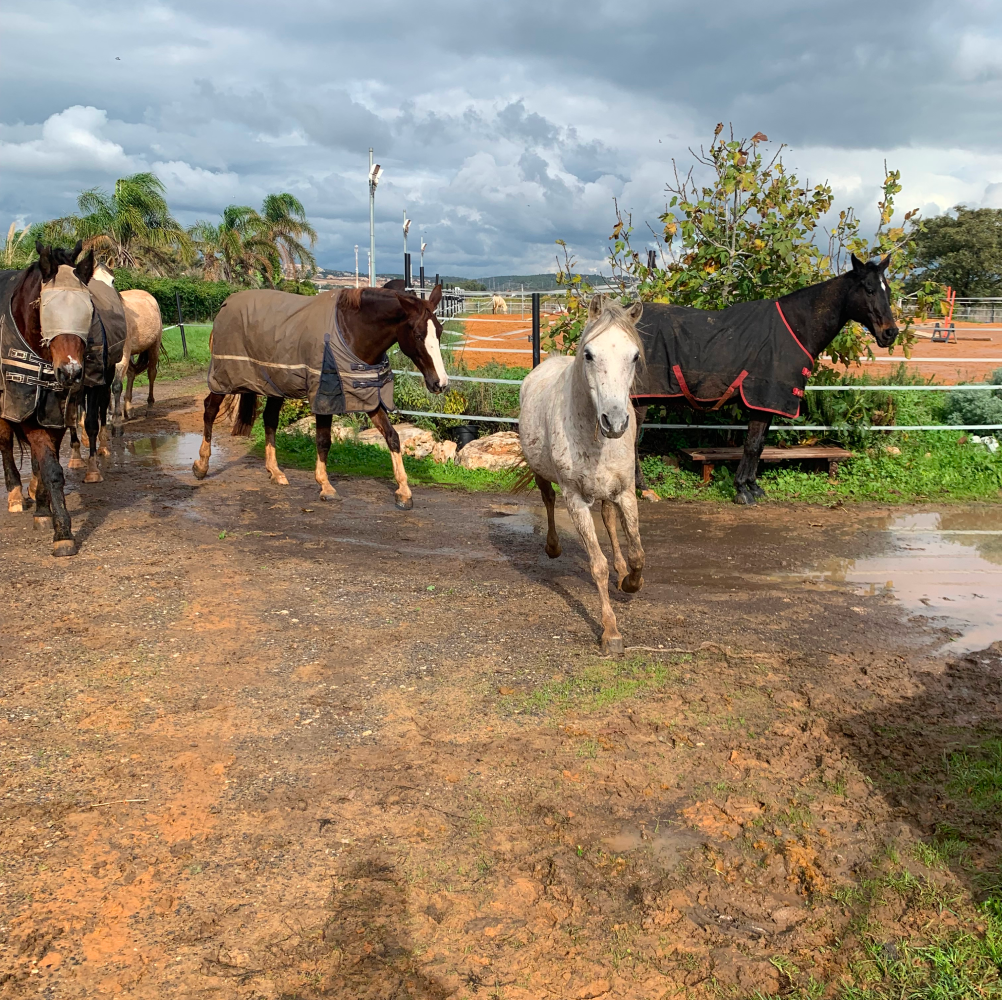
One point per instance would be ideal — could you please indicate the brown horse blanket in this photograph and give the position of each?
(28, 384)
(708, 357)
(279, 344)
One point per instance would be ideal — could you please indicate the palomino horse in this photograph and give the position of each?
(143, 340)
(758, 353)
(331, 349)
(577, 428)
(45, 324)
(498, 305)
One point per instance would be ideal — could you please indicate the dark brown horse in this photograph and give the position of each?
(46, 319)
(813, 317)
(331, 349)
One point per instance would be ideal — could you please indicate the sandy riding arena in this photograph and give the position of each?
(258, 746)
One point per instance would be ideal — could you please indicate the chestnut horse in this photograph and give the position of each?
(369, 321)
(47, 315)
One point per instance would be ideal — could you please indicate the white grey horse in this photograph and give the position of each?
(577, 428)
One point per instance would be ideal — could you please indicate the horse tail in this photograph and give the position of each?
(141, 363)
(246, 414)
(524, 478)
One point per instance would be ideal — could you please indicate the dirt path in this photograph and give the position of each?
(258, 746)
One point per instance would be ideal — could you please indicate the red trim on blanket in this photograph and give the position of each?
(792, 334)
(731, 389)
(677, 369)
(765, 409)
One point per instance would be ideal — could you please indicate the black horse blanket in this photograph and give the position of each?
(708, 357)
(28, 384)
(279, 344)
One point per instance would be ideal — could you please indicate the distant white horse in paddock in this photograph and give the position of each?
(577, 428)
(498, 305)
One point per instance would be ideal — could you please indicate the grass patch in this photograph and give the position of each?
(978, 775)
(173, 364)
(600, 684)
(936, 466)
(349, 458)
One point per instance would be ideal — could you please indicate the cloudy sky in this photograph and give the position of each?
(501, 126)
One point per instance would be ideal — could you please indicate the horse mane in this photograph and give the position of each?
(613, 314)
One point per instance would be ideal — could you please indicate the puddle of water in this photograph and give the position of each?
(946, 567)
(162, 451)
(669, 845)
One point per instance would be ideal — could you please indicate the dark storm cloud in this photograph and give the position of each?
(501, 127)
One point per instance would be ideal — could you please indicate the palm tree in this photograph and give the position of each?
(239, 249)
(133, 227)
(287, 225)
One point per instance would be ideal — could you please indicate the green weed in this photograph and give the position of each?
(978, 775)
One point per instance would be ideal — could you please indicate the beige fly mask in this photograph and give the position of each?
(66, 307)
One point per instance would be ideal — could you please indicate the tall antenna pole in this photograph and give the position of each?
(356, 265)
(372, 226)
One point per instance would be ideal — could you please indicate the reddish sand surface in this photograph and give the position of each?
(499, 338)
(975, 355)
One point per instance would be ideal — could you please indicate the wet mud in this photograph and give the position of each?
(256, 745)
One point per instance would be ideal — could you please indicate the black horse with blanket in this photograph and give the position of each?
(757, 354)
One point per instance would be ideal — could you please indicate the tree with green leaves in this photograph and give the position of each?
(962, 250)
(133, 227)
(285, 221)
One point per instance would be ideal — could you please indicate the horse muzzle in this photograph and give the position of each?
(613, 425)
(69, 372)
(436, 386)
(886, 336)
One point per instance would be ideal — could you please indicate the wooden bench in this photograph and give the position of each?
(709, 457)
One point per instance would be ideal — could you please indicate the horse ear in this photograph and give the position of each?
(84, 269)
(435, 297)
(595, 307)
(883, 264)
(857, 264)
(635, 311)
(76, 250)
(46, 264)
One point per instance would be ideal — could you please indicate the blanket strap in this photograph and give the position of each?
(731, 389)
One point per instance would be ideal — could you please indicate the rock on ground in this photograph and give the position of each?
(413, 440)
(496, 451)
(308, 426)
(444, 451)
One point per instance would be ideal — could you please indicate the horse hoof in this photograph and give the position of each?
(613, 645)
(553, 551)
(744, 497)
(103, 452)
(94, 477)
(41, 521)
(650, 495)
(405, 503)
(279, 480)
(200, 471)
(67, 547)
(756, 491)
(15, 506)
(77, 463)
(330, 495)
(631, 586)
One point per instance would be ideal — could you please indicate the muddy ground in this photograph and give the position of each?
(258, 746)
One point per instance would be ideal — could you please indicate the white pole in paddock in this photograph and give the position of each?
(356, 265)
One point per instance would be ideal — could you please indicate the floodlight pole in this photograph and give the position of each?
(372, 224)
(356, 265)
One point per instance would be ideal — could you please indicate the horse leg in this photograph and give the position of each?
(117, 418)
(151, 374)
(403, 494)
(102, 397)
(213, 401)
(76, 423)
(745, 479)
(612, 641)
(609, 517)
(51, 501)
(11, 473)
(91, 424)
(627, 504)
(640, 412)
(272, 408)
(327, 491)
(549, 499)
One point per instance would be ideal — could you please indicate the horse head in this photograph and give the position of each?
(870, 300)
(65, 308)
(420, 338)
(608, 355)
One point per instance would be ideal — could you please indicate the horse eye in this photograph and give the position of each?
(588, 356)
(636, 357)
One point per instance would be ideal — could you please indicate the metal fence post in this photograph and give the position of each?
(180, 323)
(652, 260)
(407, 271)
(535, 329)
